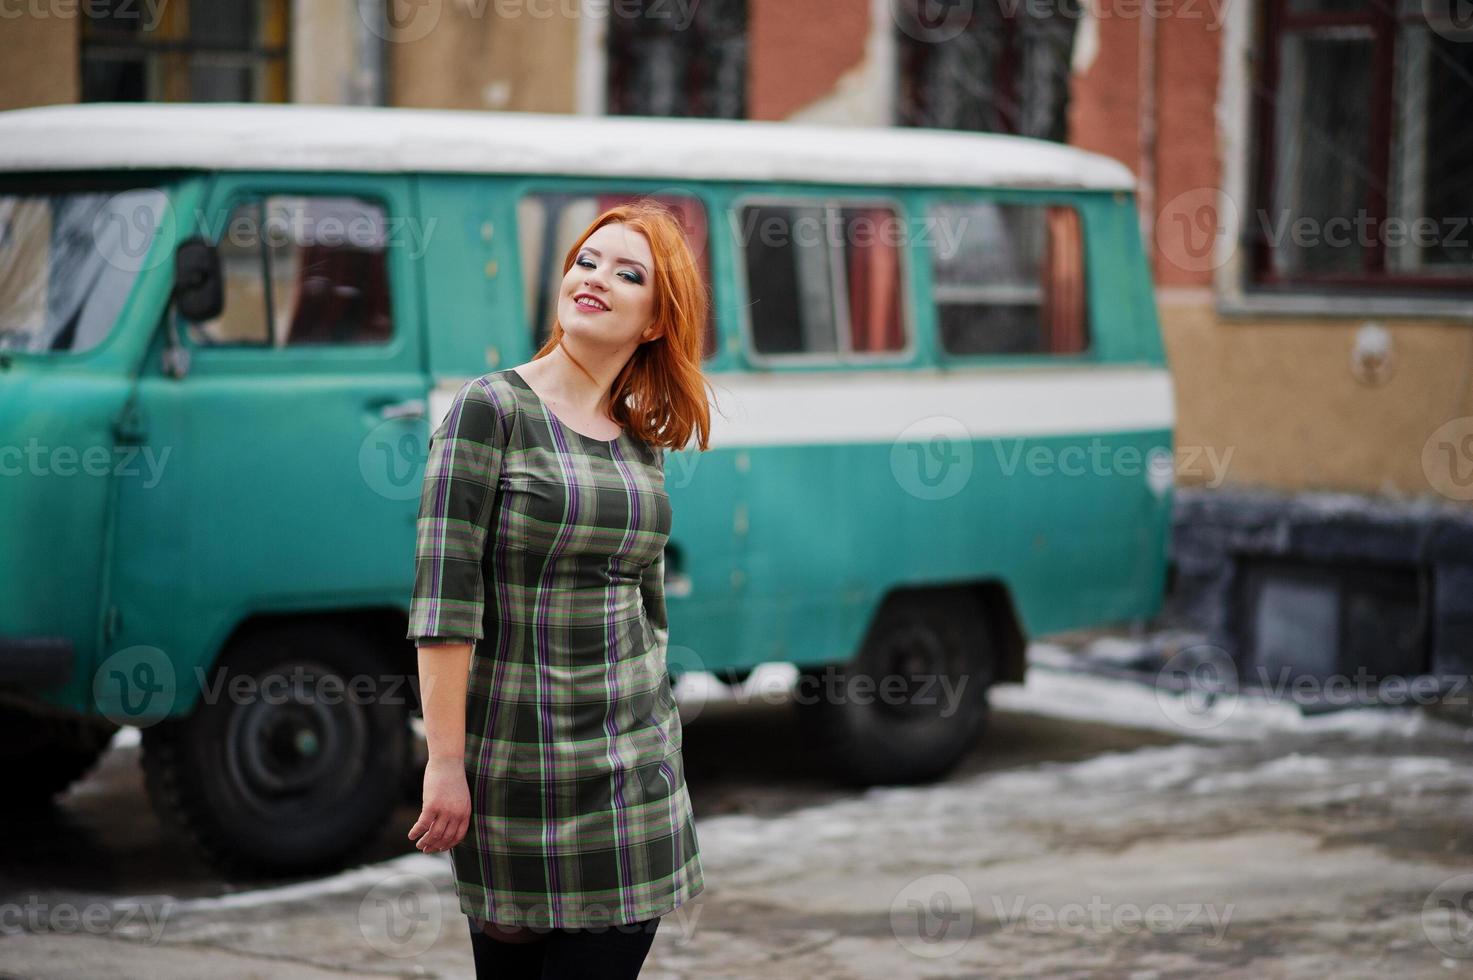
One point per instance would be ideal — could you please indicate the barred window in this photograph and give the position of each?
(185, 51)
(1363, 165)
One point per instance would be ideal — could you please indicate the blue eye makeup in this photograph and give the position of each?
(632, 276)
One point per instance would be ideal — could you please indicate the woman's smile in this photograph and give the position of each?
(590, 303)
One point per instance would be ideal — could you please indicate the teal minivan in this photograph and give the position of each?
(943, 423)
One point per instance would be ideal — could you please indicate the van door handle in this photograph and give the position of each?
(411, 408)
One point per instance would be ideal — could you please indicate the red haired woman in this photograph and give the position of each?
(555, 777)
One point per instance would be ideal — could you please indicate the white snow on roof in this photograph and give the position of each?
(364, 138)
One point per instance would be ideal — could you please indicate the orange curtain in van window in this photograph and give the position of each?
(874, 279)
(1063, 319)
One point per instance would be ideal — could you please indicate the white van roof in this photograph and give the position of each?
(240, 136)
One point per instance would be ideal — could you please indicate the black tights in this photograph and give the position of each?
(605, 953)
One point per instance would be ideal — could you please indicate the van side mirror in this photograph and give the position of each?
(199, 292)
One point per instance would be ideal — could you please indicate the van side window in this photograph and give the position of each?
(303, 271)
(1009, 278)
(823, 278)
(549, 222)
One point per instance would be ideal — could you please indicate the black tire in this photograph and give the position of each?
(43, 753)
(942, 646)
(296, 778)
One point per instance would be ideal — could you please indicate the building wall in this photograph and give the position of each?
(328, 42)
(38, 60)
(1104, 100)
(470, 58)
(798, 63)
(1278, 401)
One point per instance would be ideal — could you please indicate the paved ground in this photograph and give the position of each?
(1098, 830)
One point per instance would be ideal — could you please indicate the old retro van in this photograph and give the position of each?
(943, 423)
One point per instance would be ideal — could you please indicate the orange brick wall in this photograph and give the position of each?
(795, 57)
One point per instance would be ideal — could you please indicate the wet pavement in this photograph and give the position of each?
(1098, 829)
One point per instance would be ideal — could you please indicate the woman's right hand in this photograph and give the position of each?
(446, 811)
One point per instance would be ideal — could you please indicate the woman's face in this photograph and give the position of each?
(608, 295)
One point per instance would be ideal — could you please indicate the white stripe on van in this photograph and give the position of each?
(789, 408)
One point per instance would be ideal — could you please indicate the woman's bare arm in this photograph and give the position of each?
(445, 814)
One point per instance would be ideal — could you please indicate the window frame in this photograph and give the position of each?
(621, 40)
(267, 57)
(1384, 20)
(405, 350)
(845, 356)
(1090, 352)
(260, 197)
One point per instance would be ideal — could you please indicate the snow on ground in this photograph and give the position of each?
(902, 823)
(1269, 843)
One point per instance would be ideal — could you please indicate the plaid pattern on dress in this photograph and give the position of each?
(546, 548)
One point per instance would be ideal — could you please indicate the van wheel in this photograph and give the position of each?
(43, 753)
(294, 764)
(939, 652)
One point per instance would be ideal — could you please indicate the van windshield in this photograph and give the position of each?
(68, 261)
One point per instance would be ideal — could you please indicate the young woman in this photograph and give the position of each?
(555, 776)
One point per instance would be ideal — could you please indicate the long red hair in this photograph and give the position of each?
(660, 395)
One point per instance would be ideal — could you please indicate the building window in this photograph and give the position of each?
(188, 51)
(548, 222)
(990, 66)
(672, 59)
(1363, 166)
(302, 271)
(1014, 283)
(823, 278)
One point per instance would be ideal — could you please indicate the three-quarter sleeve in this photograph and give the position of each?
(455, 513)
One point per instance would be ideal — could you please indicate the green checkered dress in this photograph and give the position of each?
(546, 547)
